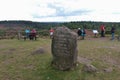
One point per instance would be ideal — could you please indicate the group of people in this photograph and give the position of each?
(102, 28)
(81, 32)
(30, 34)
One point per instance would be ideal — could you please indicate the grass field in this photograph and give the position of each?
(17, 61)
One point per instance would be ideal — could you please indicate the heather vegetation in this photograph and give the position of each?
(11, 28)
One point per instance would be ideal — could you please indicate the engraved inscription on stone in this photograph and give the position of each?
(64, 48)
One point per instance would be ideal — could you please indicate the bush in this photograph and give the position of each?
(43, 33)
(107, 32)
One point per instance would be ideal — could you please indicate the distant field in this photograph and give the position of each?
(19, 62)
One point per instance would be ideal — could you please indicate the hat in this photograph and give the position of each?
(78, 28)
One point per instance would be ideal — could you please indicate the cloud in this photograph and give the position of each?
(57, 10)
(60, 10)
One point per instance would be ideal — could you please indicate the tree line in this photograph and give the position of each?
(9, 26)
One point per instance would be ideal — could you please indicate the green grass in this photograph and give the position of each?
(17, 62)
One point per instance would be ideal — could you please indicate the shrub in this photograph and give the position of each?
(43, 33)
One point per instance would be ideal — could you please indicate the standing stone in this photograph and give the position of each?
(64, 49)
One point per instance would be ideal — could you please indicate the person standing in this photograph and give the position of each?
(113, 32)
(79, 32)
(33, 33)
(51, 32)
(83, 33)
(27, 32)
(102, 29)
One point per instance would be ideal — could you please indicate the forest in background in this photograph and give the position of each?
(47, 25)
(12, 27)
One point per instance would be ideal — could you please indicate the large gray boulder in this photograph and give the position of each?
(64, 49)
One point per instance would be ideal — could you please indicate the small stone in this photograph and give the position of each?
(38, 51)
(108, 70)
(89, 68)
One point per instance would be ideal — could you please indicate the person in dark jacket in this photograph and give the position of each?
(79, 32)
(113, 32)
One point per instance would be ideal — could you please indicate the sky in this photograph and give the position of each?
(60, 10)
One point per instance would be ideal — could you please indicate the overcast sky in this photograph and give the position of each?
(60, 10)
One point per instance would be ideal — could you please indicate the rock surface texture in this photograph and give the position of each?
(64, 49)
